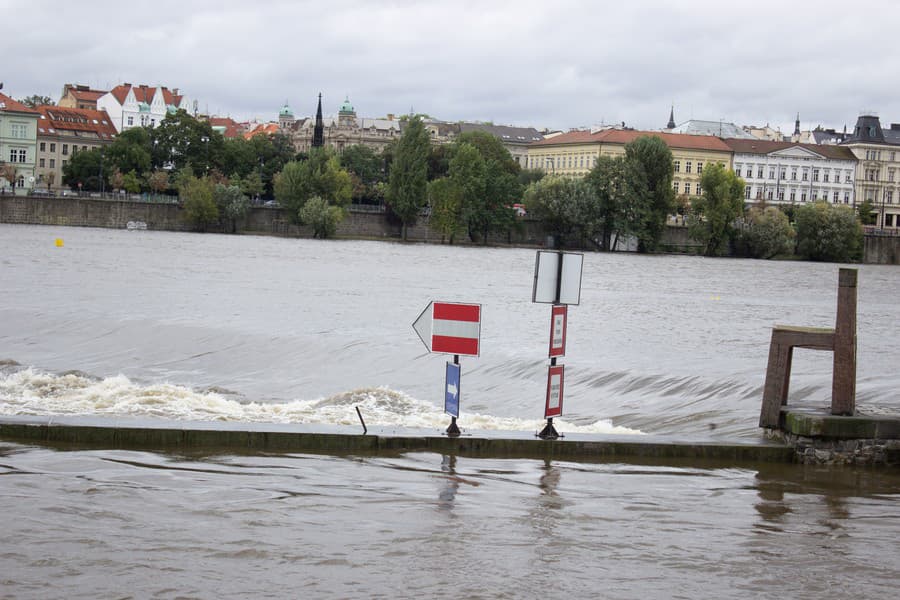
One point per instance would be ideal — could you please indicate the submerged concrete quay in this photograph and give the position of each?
(812, 438)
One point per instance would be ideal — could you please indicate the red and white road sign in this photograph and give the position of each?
(558, 322)
(450, 328)
(555, 377)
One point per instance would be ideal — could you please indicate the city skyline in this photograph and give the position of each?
(569, 65)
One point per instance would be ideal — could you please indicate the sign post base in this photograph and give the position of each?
(453, 429)
(549, 431)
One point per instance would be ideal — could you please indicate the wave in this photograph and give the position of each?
(32, 392)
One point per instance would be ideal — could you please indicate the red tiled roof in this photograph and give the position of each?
(87, 95)
(7, 103)
(625, 136)
(267, 129)
(144, 93)
(232, 128)
(75, 119)
(768, 146)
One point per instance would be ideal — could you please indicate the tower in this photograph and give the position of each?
(797, 125)
(319, 130)
(671, 124)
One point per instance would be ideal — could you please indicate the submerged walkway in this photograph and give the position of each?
(113, 433)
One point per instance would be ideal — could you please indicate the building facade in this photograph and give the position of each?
(341, 131)
(18, 146)
(575, 153)
(140, 106)
(877, 152)
(63, 132)
(793, 173)
(79, 96)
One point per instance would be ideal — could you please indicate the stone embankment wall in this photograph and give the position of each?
(115, 214)
(823, 451)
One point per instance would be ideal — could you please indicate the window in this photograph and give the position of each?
(699, 168)
(759, 172)
(893, 156)
(677, 166)
(890, 175)
(793, 173)
(749, 171)
(747, 192)
(888, 220)
(815, 174)
(826, 175)
(802, 196)
(771, 172)
(783, 173)
(770, 195)
(17, 155)
(41, 163)
(43, 146)
(793, 195)
(848, 177)
(675, 187)
(846, 197)
(18, 130)
(805, 175)
(889, 196)
(130, 121)
(52, 163)
(687, 166)
(65, 149)
(699, 190)
(687, 188)
(836, 196)
(52, 147)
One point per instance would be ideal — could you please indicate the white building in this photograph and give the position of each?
(791, 173)
(140, 106)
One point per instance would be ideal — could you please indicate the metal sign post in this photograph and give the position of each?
(557, 281)
(451, 328)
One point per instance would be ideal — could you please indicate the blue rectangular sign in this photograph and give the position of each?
(451, 390)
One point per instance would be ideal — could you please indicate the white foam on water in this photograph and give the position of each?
(31, 392)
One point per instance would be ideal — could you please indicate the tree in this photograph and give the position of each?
(180, 139)
(35, 100)
(491, 148)
(231, 203)
(131, 151)
(867, 214)
(608, 178)
(552, 201)
(650, 171)
(84, 168)
(320, 175)
(467, 172)
(408, 178)
(8, 173)
(713, 214)
(445, 202)
(51, 179)
(131, 183)
(116, 179)
(767, 233)
(322, 217)
(529, 176)
(158, 181)
(199, 207)
(829, 233)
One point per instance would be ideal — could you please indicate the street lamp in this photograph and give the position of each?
(205, 140)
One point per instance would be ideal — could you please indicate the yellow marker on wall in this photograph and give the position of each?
(59, 243)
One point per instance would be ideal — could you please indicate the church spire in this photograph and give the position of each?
(797, 125)
(671, 124)
(319, 130)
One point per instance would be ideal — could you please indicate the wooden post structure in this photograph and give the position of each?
(843, 380)
(841, 341)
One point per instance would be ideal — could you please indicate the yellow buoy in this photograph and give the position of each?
(59, 243)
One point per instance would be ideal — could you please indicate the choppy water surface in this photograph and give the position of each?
(206, 327)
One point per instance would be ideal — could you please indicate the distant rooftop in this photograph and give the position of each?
(714, 128)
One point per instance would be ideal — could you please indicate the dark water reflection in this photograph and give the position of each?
(90, 524)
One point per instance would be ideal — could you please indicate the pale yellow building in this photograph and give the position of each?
(878, 170)
(575, 153)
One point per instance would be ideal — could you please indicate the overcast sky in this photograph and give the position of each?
(551, 63)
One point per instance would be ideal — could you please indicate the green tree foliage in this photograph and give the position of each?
(84, 168)
(491, 149)
(321, 216)
(131, 183)
(650, 171)
(36, 100)
(713, 214)
(529, 176)
(180, 139)
(468, 174)
(320, 175)
(767, 233)
(406, 190)
(158, 181)
(129, 152)
(197, 200)
(365, 168)
(828, 233)
(232, 205)
(608, 217)
(867, 214)
(445, 201)
(560, 202)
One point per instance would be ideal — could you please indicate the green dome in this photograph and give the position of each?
(286, 111)
(143, 107)
(346, 107)
(171, 109)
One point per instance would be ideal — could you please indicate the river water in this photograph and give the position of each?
(162, 325)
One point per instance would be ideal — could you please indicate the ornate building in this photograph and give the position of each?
(338, 132)
(18, 145)
(63, 132)
(878, 167)
(139, 105)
